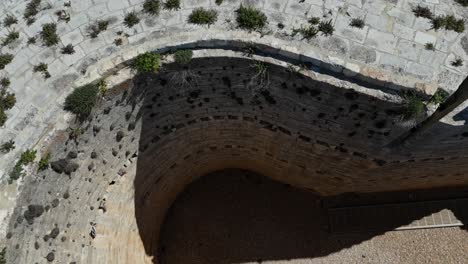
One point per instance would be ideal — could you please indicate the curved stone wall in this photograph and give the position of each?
(151, 137)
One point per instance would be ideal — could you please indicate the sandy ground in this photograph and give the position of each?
(238, 217)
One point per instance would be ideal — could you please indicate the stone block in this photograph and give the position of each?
(423, 38)
(381, 40)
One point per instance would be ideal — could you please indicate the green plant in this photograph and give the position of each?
(183, 56)
(462, 2)
(118, 41)
(44, 162)
(3, 256)
(218, 2)
(102, 86)
(421, 11)
(9, 20)
(429, 46)
(261, 77)
(81, 101)
(308, 32)
(326, 27)
(7, 146)
(172, 5)
(250, 18)
(5, 82)
(457, 63)
(413, 106)
(147, 62)
(201, 16)
(439, 96)
(357, 22)
(7, 101)
(5, 59)
(31, 40)
(151, 7)
(63, 15)
(314, 20)
(131, 19)
(32, 8)
(68, 49)
(10, 38)
(42, 68)
(95, 29)
(26, 157)
(448, 23)
(49, 34)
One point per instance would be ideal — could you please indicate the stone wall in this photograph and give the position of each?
(150, 138)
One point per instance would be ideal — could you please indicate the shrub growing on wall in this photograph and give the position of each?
(183, 56)
(250, 18)
(82, 100)
(151, 7)
(147, 62)
(201, 16)
(49, 34)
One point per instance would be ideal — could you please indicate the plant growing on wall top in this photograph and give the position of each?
(9, 20)
(42, 68)
(7, 101)
(131, 19)
(95, 29)
(10, 38)
(32, 8)
(201, 16)
(183, 56)
(147, 62)
(439, 96)
(5, 59)
(49, 34)
(448, 23)
(81, 101)
(26, 157)
(152, 7)
(172, 4)
(250, 18)
(413, 106)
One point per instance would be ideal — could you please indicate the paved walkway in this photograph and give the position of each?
(402, 216)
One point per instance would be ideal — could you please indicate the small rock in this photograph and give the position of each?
(50, 257)
(54, 233)
(72, 155)
(114, 152)
(55, 202)
(94, 155)
(32, 212)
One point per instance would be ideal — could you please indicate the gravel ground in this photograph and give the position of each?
(244, 218)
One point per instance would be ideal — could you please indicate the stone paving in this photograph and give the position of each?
(390, 47)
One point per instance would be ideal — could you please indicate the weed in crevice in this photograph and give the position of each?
(131, 19)
(26, 158)
(148, 62)
(42, 68)
(68, 49)
(8, 146)
(81, 101)
(439, 96)
(5, 82)
(172, 5)
(429, 46)
(5, 59)
(32, 9)
(457, 63)
(357, 23)
(448, 23)
(152, 7)
(413, 106)
(63, 15)
(31, 40)
(261, 78)
(326, 27)
(9, 20)
(10, 38)
(201, 16)
(421, 11)
(99, 26)
(49, 34)
(44, 162)
(218, 2)
(183, 57)
(462, 2)
(250, 18)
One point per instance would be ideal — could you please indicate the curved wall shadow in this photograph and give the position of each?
(208, 116)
